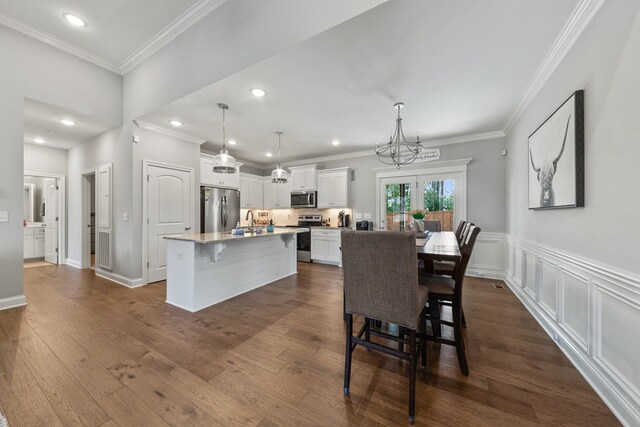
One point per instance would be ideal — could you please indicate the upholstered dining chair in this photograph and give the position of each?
(432, 225)
(445, 289)
(381, 283)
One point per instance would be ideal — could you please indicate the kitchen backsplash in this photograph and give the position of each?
(283, 217)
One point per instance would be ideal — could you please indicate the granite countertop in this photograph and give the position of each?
(206, 238)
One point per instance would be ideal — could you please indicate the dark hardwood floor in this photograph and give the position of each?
(86, 351)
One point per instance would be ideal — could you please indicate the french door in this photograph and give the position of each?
(441, 195)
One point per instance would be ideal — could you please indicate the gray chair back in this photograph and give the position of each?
(381, 276)
(432, 225)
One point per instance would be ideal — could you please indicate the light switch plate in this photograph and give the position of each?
(125, 216)
(4, 216)
(359, 215)
(367, 215)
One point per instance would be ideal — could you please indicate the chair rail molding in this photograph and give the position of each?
(592, 312)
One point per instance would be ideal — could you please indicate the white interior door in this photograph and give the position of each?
(51, 218)
(169, 208)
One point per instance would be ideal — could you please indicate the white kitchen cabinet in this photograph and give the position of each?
(214, 179)
(277, 196)
(303, 178)
(34, 242)
(325, 246)
(251, 192)
(334, 188)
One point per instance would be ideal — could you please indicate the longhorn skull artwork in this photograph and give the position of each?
(546, 171)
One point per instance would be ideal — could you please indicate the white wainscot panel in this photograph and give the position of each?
(530, 271)
(574, 317)
(549, 288)
(511, 260)
(618, 339)
(487, 258)
(518, 276)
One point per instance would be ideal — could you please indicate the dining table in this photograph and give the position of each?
(440, 246)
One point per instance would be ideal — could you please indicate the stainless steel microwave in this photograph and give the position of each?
(303, 199)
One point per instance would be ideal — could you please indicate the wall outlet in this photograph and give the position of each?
(136, 138)
(179, 255)
(125, 216)
(4, 216)
(359, 215)
(367, 215)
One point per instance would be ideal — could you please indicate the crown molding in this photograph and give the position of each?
(168, 132)
(582, 15)
(47, 38)
(181, 24)
(427, 144)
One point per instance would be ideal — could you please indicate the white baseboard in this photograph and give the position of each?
(12, 302)
(589, 310)
(73, 263)
(121, 280)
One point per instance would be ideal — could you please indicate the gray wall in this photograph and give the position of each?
(485, 181)
(35, 70)
(45, 160)
(605, 62)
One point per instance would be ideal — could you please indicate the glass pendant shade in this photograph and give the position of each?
(279, 175)
(224, 162)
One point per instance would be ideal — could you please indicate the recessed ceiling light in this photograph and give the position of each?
(268, 154)
(74, 20)
(68, 122)
(39, 140)
(175, 123)
(258, 93)
(231, 142)
(335, 142)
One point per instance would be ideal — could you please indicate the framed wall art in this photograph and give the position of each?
(556, 158)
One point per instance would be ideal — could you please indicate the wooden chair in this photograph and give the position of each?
(459, 230)
(448, 290)
(381, 283)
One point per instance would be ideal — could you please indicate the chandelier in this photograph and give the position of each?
(279, 174)
(398, 151)
(223, 162)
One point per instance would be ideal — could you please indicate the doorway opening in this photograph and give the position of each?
(43, 219)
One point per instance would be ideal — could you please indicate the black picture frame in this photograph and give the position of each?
(547, 156)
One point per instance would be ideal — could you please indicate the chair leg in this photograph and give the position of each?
(347, 354)
(434, 313)
(367, 331)
(344, 307)
(464, 321)
(412, 378)
(457, 331)
(401, 333)
(423, 340)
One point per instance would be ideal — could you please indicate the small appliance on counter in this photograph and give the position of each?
(344, 219)
(364, 225)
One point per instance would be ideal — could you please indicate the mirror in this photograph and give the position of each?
(29, 202)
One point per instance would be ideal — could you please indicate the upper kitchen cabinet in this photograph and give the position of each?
(303, 178)
(214, 179)
(251, 191)
(277, 196)
(334, 188)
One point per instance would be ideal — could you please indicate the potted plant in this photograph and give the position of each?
(418, 215)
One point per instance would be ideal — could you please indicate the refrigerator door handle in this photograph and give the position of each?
(224, 211)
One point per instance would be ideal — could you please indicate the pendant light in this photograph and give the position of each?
(398, 151)
(224, 162)
(279, 174)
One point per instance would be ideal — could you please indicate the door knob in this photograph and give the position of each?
(187, 228)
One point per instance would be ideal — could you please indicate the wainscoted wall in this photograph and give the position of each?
(488, 257)
(592, 313)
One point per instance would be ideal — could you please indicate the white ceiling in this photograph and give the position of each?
(119, 33)
(460, 67)
(42, 120)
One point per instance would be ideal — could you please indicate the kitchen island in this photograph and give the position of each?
(205, 269)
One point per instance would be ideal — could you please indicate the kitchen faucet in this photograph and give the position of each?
(251, 223)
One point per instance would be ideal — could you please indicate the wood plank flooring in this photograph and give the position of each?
(86, 351)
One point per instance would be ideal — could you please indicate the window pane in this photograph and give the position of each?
(439, 199)
(398, 201)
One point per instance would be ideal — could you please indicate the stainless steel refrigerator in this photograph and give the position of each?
(219, 209)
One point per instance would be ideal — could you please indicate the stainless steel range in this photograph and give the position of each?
(304, 237)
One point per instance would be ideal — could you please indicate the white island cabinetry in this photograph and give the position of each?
(205, 269)
(325, 245)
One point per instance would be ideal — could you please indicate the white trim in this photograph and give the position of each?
(181, 24)
(580, 18)
(121, 280)
(62, 211)
(620, 394)
(446, 166)
(73, 263)
(12, 302)
(145, 207)
(168, 132)
(51, 40)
